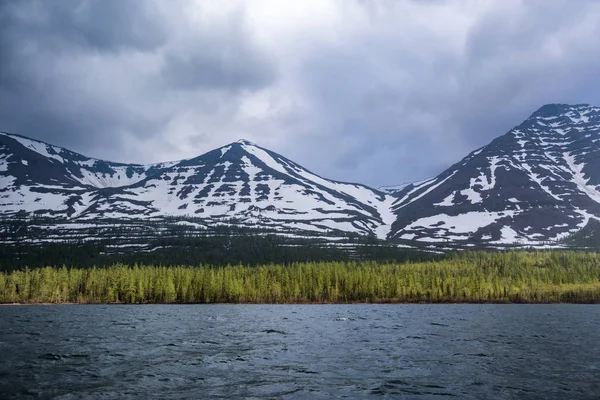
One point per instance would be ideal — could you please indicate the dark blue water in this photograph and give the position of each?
(300, 351)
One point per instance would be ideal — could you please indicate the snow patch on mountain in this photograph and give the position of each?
(41, 148)
(579, 178)
(401, 203)
(118, 178)
(448, 201)
(463, 223)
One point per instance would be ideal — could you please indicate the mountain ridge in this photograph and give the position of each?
(511, 178)
(537, 183)
(221, 180)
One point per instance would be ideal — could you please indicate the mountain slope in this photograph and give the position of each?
(538, 182)
(241, 180)
(38, 178)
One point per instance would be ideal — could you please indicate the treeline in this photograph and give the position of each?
(213, 250)
(538, 277)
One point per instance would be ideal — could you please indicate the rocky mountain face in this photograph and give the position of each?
(539, 182)
(44, 180)
(240, 181)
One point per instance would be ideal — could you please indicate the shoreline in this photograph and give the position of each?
(308, 303)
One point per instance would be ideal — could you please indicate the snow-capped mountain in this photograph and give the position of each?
(41, 179)
(240, 181)
(538, 182)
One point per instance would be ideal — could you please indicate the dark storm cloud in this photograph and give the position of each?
(31, 29)
(102, 25)
(221, 57)
(409, 109)
(378, 92)
(35, 34)
(89, 74)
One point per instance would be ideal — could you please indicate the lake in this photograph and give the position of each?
(300, 351)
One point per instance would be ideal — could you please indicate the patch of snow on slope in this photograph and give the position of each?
(509, 235)
(29, 201)
(579, 178)
(225, 150)
(6, 181)
(482, 179)
(468, 222)
(585, 119)
(536, 178)
(39, 147)
(265, 158)
(472, 195)
(387, 216)
(104, 180)
(448, 201)
(399, 205)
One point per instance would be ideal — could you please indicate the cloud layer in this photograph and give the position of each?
(379, 92)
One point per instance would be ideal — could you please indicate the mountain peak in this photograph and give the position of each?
(244, 142)
(557, 109)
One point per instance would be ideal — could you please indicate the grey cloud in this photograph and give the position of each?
(94, 25)
(35, 34)
(224, 58)
(438, 105)
(73, 75)
(224, 68)
(516, 65)
(391, 102)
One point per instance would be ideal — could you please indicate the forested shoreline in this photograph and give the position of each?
(501, 277)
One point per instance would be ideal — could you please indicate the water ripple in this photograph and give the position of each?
(296, 351)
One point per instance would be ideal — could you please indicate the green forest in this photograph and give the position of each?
(504, 277)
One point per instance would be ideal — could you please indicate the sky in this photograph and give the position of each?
(376, 92)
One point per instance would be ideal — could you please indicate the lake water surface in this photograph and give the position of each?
(300, 351)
